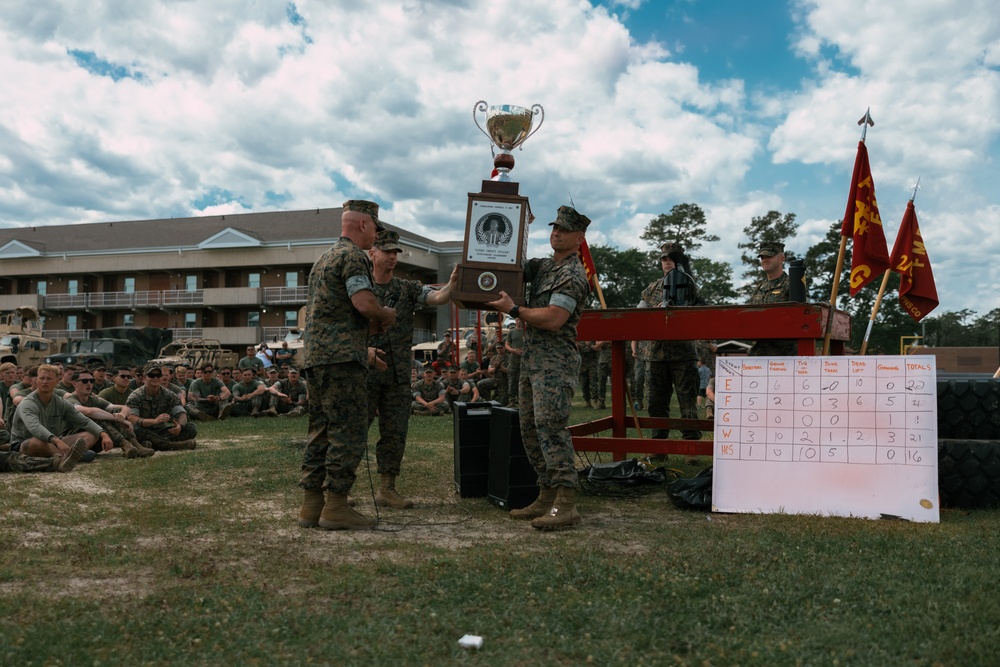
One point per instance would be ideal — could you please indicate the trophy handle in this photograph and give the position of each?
(481, 106)
(535, 110)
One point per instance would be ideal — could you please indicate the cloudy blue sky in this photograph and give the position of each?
(123, 110)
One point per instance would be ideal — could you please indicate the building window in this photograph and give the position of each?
(73, 286)
(71, 322)
(292, 279)
(190, 319)
(291, 318)
(130, 285)
(253, 280)
(128, 320)
(190, 283)
(253, 319)
(43, 288)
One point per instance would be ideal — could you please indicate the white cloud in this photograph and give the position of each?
(240, 105)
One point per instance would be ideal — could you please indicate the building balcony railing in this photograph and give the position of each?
(70, 334)
(277, 296)
(176, 297)
(109, 300)
(66, 301)
(170, 299)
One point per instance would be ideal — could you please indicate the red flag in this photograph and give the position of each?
(917, 292)
(869, 256)
(588, 261)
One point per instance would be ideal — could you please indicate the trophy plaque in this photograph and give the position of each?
(496, 225)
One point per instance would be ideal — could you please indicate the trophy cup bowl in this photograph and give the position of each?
(507, 127)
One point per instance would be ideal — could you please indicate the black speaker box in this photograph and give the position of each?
(472, 448)
(513, 483)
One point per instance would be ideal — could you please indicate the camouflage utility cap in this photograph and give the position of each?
(570, 220)
(770, 248)
(368, 208)
(669, 247)
(388, 241)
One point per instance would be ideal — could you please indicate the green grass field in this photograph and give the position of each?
(195, 558)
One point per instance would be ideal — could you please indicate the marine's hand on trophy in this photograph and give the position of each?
(503, 304)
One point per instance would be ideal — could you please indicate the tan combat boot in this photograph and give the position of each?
(338, 515)
(312, 506)
(388, 497)
(128, 450)
(540, 507)
(69, 460)
(132, 449)
(563, 513)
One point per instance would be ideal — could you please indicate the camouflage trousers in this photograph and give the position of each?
(513, 379)
(544, 401)
(160, 436)
(664, 378)
(18, 462)
(502, 379)
(258, 403)
(588, 381)
(116, 431)
(603, 373)
(389, 402)
(338, 427)
(639, 380)
(486, 387)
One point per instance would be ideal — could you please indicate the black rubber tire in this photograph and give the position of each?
(969, 473)
(969, 408)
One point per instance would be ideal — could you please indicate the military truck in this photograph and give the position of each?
(197, 351)
(116, 346)
(21, 340)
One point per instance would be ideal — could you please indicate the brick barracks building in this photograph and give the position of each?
(238, 279)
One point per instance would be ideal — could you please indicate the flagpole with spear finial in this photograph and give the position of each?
(865, 122)
(588, 260)
(881, 289)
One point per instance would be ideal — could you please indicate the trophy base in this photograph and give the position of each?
(478, 285)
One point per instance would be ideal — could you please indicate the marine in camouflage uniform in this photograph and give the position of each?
(550, 367)
(428, 390)
(336, 363)
(640, 353)
(514, 345)
(501, 374)
(773, 289)
(588, 371)
(672, 363)
(150, 401)
(452, 385)
(389, 393)
(603, 373)
(296, 390)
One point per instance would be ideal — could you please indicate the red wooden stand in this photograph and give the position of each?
(802, 321)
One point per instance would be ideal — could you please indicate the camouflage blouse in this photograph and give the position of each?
(404, 296)
(335, 331)
(562, 284)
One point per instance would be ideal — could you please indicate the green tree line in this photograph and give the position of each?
(623, 275)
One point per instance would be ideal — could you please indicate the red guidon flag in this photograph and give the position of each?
(917, 292)
(588, 262)
(869, 256)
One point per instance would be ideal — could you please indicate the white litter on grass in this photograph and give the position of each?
(471, 641)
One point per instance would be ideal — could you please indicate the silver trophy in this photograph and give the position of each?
(507, 127)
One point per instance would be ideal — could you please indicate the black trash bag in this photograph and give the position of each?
(692, 493)
(629, 471)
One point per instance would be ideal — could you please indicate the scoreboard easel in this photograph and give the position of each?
(847, 436)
